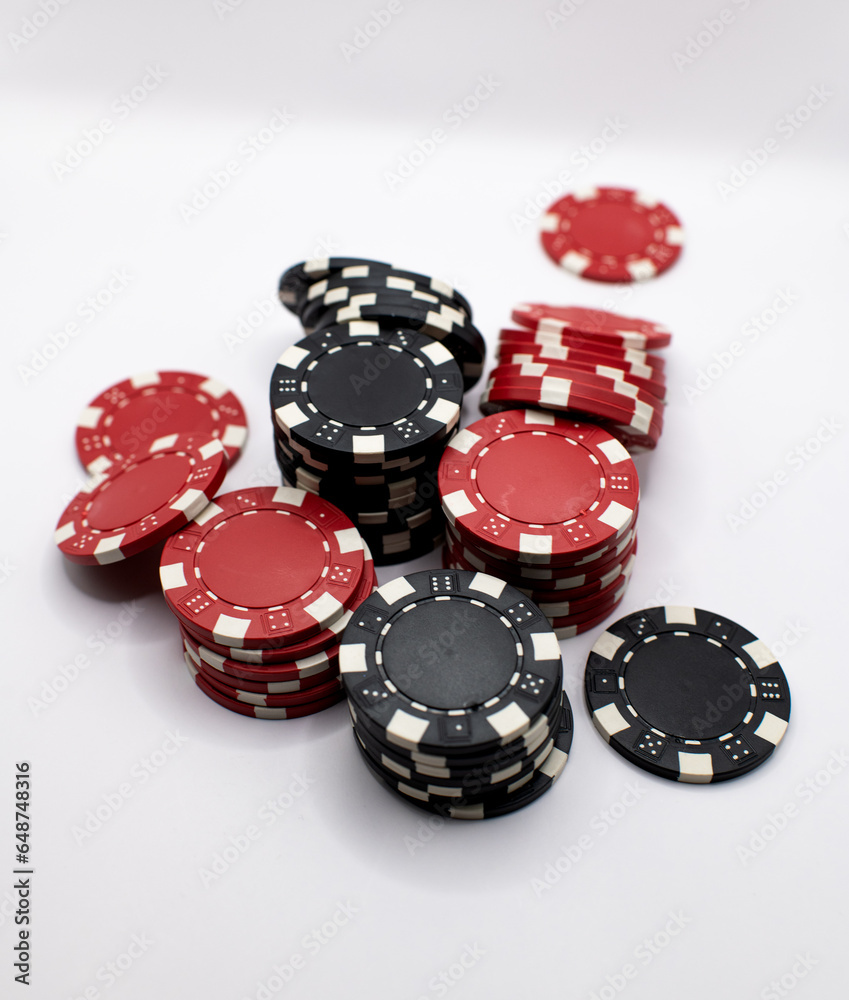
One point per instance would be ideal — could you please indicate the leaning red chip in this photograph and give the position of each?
(142, 499)
(262, 565)
(552, 320)
(127, 417)
(610, 379)
(612, 234)
(572, 341)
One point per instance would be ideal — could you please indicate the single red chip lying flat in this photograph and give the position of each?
(261, 565)
(127, 417)
(612, 234)
(142, 499)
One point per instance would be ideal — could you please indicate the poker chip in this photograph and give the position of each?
(687, 694)
(456, 677)
(575, 345)
(587, 378)
(446, 324)
(612, 234)
(259, 711)
(128, 417)
(340, 290)
(518, 794)
(328, 688)
(635, 420)
(138, 501)
(630, 362)
(595, 324)
(640, 376)
(362, 412)
(356, 398)
(217, 576)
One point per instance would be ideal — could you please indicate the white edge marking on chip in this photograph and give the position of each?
(412, 793)
(160, 444)
(90, 417)
(234, 435)
(355, 271)
(509, 721)
(144, 379)
(437, 352)
(546, 646)
(442, 287)
(193, 670)
(575, 262)
(533, 369)
(609, 721)
(349, 540)
(292, 357)
(464, 441)
(336, 295)
(189, 501)
(213, 447)
(290, 495)
(364, 328)
(368, 444)
(440, 321)
(214, 660)
(643, 413)
(64, 532)
(209, 511)
(760, 653)
(172, 576)
(676, 613)
(675, 236)
(352, 658)
(538, 417)
(365, 299)
(466, 812)
(108, 550)
(771, 729)
(458, 504)
(190, 652)
(406, 728)
(616, 515)
(316, 289)
(555, 390)
(214, 388)
(645, 199)
(486, 584)
(325, 608)
(585, 193)
(290, 415)
(695, 768)
(316, 264)
(537, 545)
(550, 223)
(226, 627)
(641, 270)
(614, 451)
(554, 763)
(443, 412)
(395, 590)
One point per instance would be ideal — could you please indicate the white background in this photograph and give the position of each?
(422, 903)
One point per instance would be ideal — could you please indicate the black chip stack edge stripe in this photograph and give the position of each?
(454, 681)
(364, 405)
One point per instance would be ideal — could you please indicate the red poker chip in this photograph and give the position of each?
(283, 679)
(518, 354)
(536, 320)
(612, 234)
(620, 383)
(127, 417)
(263, 564)
(576, 589)
(284, 662)
(577, 491)
(325, 689)
(641, 376)
(566, 395)
(591, 564)
(600, 353)
(258, 711)
(591, 321)
(140, 500)
(569, 631)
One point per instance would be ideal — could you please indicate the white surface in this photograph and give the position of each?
(423, 899)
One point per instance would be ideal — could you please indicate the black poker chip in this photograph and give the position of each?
(687, 694)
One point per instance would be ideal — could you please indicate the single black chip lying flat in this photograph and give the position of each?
(686, 694)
